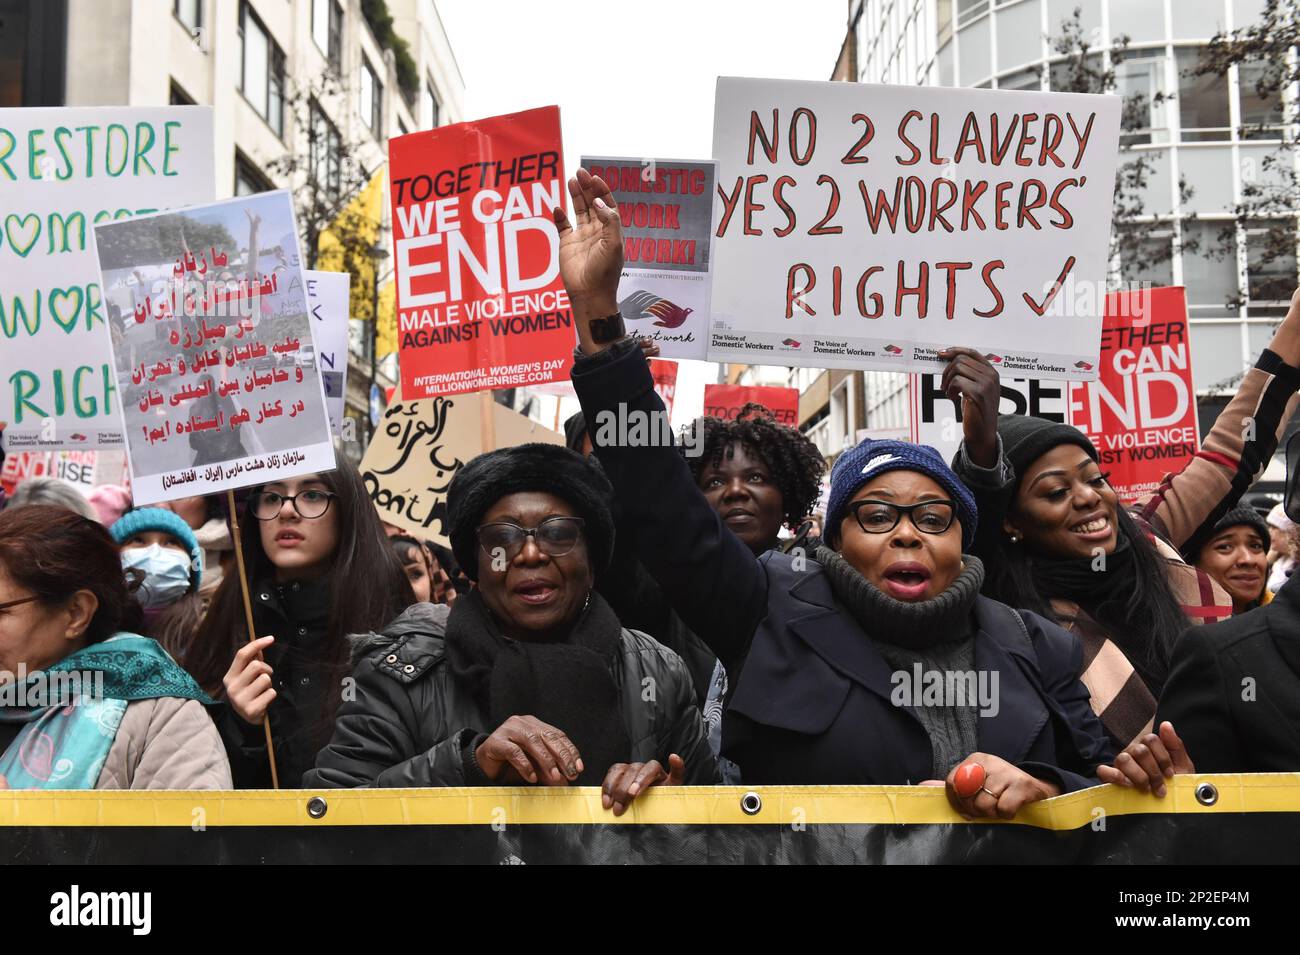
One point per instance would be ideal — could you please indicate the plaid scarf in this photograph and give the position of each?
(1120, 697)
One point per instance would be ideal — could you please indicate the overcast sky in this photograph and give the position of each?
(635, 79)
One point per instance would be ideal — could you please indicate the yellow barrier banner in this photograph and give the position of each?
(1210, 818)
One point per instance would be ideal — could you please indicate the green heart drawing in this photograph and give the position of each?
(35, 230)
(61, 294)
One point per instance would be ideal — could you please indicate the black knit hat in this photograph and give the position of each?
(1237, 517)
(529, 467)
(1025, 439)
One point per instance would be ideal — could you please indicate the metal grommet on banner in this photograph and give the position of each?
(751, 804)
(317, 807)
(1207, 794)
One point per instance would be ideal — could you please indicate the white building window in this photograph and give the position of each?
(370, 94)
(1261, 113)
(1202, 101)
(1140, 80)
(428, 106)
(325, 148)
(261, 75)
(968, 10)
(1270, 264)
(327, 29)
(189, 12)
(1209, 270)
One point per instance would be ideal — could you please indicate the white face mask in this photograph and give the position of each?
(167, 574)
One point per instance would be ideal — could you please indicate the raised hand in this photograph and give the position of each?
(971, 378)
(248, 681)
(591, 253)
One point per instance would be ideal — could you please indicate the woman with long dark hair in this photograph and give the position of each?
(1058, 540)
(319, 568)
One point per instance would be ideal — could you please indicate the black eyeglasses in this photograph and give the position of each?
(881, 517)
(555, 537)
(19, 602)
(265, 505)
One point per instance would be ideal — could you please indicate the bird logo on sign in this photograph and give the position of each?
(645, 304)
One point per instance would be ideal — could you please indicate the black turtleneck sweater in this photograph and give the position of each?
(935, 633)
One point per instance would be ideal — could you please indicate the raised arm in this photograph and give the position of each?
(980, 463)
(1186, 506)
(708, 575)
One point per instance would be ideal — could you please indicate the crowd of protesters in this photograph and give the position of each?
(629, 615)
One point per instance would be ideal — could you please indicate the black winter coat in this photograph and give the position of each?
(640, 604)
(809, 698)
(1233, 691)
(413, 724)
(296, 614)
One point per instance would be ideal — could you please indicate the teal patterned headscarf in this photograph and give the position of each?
(72, 710)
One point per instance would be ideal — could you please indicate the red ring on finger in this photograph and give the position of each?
(969, 779)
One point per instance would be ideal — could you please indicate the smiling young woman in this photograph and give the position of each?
(1057, 539)
(319, 568)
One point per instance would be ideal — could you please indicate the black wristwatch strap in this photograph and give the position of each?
(608, 329)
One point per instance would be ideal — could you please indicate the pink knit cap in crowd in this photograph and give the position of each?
(110, 502)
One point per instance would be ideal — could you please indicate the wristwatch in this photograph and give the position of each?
(608, 329)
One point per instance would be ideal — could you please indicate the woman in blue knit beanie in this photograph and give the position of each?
(872, 659)
(164, 564)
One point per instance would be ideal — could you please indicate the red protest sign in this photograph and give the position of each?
(725, 401)
(1141, 411)
(665, 375)
(480, 304)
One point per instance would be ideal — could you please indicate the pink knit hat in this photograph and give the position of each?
(110, 502)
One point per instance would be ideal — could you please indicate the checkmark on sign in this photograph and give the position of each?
(28, 223)
(1052, 292)
(59, 297)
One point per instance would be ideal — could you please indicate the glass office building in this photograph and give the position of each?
(1195, 136)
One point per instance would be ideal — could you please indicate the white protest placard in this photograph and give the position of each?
(936, 419)
(215, 361)
(63, 171)
(865, 226)
(666, 210)
(328, 297)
